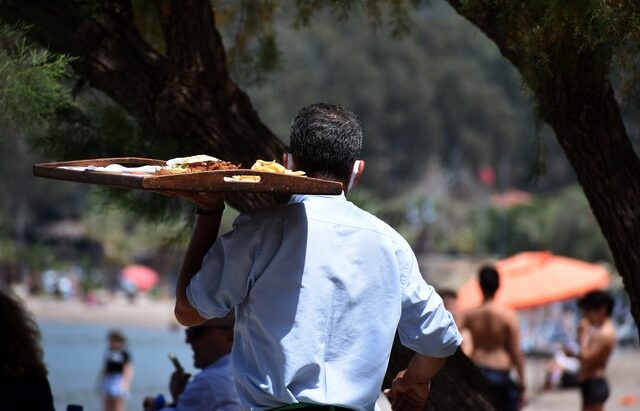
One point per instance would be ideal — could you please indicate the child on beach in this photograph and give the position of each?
(597, 338)
(117, 374)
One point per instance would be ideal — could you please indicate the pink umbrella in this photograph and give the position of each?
(141, 276)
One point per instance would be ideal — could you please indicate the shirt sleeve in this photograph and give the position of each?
(222, 282)
(425, 326)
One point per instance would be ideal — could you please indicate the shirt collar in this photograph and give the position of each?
(299, 198)
(220, 362)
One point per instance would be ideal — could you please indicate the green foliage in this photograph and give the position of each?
(30, 80)
(252, 48)
(123, 237)
(562, 223)
(553, 35)
(441, 93)
(397, 11)
(8, 252)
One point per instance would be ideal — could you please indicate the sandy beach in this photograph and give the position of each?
(117, 312)
(624, 367)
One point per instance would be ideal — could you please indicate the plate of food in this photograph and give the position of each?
(194, 173)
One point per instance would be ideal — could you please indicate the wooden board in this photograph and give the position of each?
(212, 181)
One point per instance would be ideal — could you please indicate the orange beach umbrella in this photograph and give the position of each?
(535, 278)
(143, 277)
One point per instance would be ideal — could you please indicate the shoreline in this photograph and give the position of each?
(117, 312)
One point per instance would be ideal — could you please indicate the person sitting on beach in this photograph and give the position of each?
(562, 370)
(597, 338)
(496, 342)
(213, 388)
(23, 375)
(117, 373)
(318, 286)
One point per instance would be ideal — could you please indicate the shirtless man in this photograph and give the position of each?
(597, 337)
(496, 342)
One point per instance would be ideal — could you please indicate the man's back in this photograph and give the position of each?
(319, 290)
(493, 328)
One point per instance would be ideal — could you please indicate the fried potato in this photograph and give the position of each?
(274, 167)
(247, 178)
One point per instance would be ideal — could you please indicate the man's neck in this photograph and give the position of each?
(486, 299)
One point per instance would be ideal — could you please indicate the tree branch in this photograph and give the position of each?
(191, 39)
(112, 55)
(186, 97)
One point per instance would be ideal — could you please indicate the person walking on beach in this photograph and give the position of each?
(597, 338)
(213, 388)
(318, 286)
(23, 375)
(117, 373)
(496, 342)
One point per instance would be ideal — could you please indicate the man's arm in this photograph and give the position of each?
(202, 239)
(410, 389)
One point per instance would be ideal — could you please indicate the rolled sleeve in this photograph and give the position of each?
(425, 326)
(222, 282)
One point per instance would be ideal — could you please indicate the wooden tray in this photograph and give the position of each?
(199, 181)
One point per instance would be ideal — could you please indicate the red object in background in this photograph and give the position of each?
(536, 278)
(143, 277)
(487, 176)
(629, 400)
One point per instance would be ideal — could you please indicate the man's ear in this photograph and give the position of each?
(287, 160)
(356, 174)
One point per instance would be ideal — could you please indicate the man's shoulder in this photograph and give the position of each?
(214, 373)
(608, 332)
(260, 215)
(369, 221)
(497, 312)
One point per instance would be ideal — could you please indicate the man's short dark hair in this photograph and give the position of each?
(595, 300)
(326, 139)
(489, 280)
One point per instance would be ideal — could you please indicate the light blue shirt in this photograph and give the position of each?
(319, 287)
(212, 389)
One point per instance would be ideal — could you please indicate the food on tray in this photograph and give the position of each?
(200, 162)
(116, 168)
(246, 178)
(274, 167)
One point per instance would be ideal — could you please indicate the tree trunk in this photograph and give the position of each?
(458, 386)
(576, 99)
(589, 127)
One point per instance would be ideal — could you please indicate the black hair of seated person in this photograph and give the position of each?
(489, 280)
(326, 140)
(23, 375)
(20, 352)
(595, 300)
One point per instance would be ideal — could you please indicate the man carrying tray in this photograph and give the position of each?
(318, 286)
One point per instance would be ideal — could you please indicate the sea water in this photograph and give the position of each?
(73, 354)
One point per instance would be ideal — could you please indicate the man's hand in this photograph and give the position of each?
(203, 199)
(149, 404)
(408, 393)
(177, 383)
